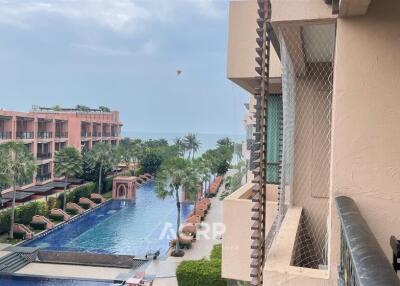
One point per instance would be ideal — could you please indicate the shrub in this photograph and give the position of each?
(85, 206)
(74, 195)
(24, 214)
(51, 203)
(5, 221)
(200, 273)
(216, 252)
(107, 185)
(38, 225)
(56, 217)
(72, 211)
(96, 200)
(19, 235)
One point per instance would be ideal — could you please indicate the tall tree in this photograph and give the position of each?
(192, 144)
(103, 156)
(174, 176)
(181, 144)
(17, 165)
(67, 163)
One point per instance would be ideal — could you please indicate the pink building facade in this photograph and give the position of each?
(45, 131)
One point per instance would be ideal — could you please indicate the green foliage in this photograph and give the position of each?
(191, 144)
(68, 162)
(25, 213)
(51, 203)
(71, 211)
(96, 200)
(74, 195)
(107, 185)
(5, 221)
(216, 252)
(104, 109)
(56, 217)
(19, 235)
(85, 206)
(82, 108)
(202, 272)
(38, 225)
(151, 162)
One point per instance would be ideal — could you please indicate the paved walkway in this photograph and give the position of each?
(165, 270)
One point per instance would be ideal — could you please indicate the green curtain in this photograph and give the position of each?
(274, 131)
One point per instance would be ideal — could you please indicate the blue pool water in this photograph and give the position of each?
(119, 227)
(34, 281)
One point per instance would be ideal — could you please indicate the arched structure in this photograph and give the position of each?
(124, 188)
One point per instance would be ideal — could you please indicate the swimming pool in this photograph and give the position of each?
(118, 227)
(36, 281)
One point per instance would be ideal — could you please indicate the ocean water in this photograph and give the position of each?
(208, 140)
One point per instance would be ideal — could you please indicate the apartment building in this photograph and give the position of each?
(325, 212)
(45, 131)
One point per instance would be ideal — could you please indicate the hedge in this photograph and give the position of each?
(38, 225)
(200, 273)
(85, 206)
(56, 217)
(5, 221)
(24, 214)
(96, 200)
(71, 211)
(19, 235)
(74, 195)
(216, 252)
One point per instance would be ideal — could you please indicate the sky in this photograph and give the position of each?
(123, 54)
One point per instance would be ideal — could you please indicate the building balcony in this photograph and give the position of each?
(44, 135)
(43, 177)
(5, 135)
(25, 135)
(85, 134)
(44, 156)
(236, 243)
(60, 134)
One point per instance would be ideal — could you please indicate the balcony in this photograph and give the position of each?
(236, 244)
(44, 135)
(60, 134)
(5, 135)
(106, 134)
(43, 177)
(96, 134)
(362, 261)
(25, 135)
(85, 134)
(44, 156)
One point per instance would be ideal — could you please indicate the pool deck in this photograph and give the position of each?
(75, 271)
(164, 270)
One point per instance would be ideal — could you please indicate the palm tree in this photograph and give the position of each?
(103, 156)
(174, 176)
(180, 142)
(67, 163)
(192, 144)
(17, 165)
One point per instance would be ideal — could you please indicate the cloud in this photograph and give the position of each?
(117, 15)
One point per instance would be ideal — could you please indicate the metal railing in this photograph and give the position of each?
(60, 134)
(44, 134)
(362, 261)
(44, 156)
(85, 134)
(4, 135)
(43, 177)
(25, 135)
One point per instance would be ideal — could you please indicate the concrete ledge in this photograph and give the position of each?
(280, 258)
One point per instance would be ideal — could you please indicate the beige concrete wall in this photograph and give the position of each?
(366, 113)
(242, 43)
(300, 10)
(237, 237)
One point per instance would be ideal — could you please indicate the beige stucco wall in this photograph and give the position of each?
(300, 10)
(242, 43)
(366, 116)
